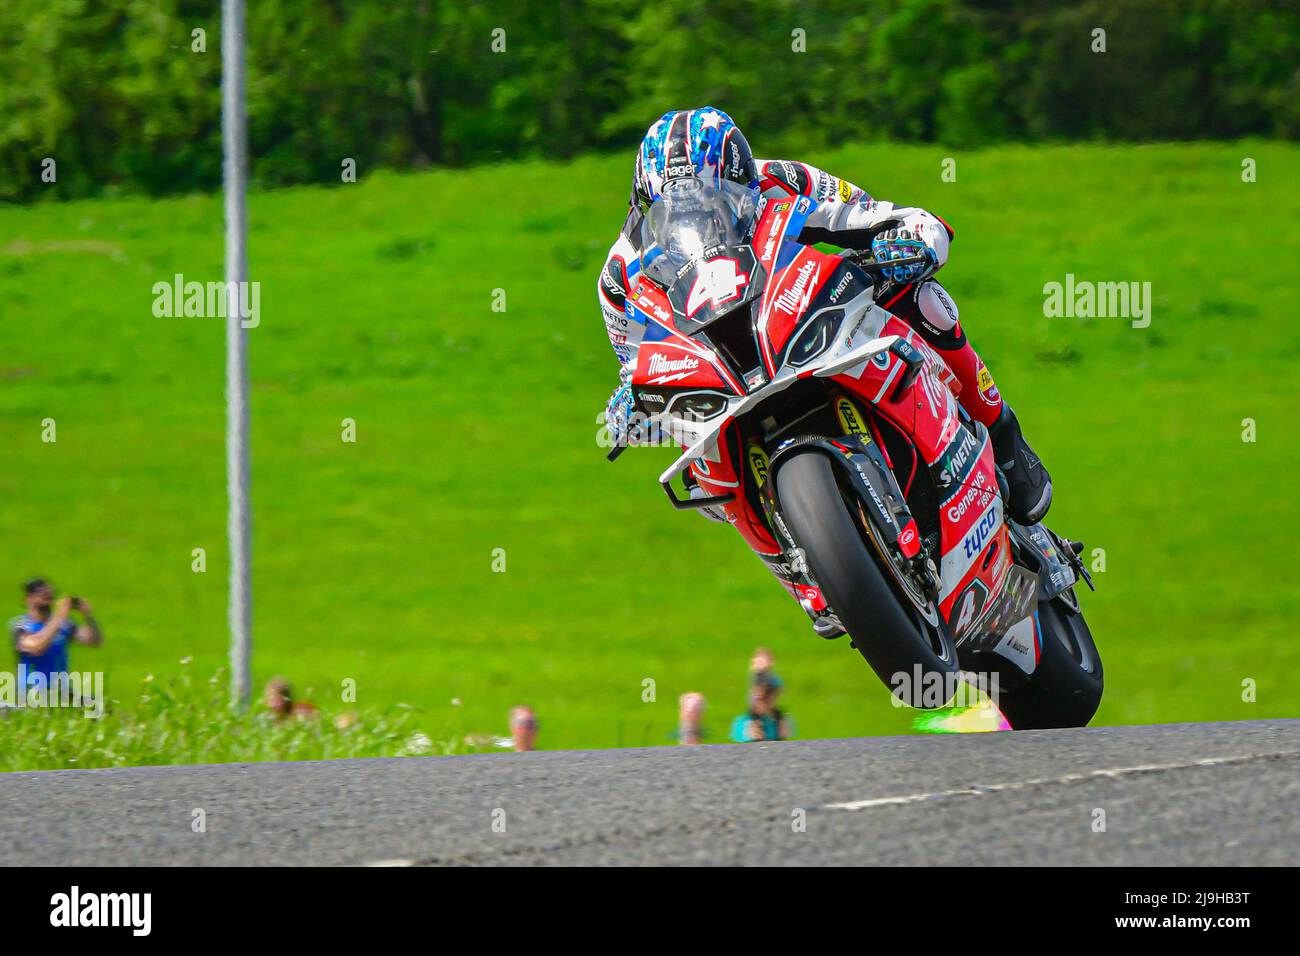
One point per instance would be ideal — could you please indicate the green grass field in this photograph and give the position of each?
(476, 430)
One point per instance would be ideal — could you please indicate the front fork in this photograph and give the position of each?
(883, 512)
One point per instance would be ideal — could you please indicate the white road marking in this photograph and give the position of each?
(979, 790)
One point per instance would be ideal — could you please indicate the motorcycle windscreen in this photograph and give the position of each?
(695, 246)
(713, 286)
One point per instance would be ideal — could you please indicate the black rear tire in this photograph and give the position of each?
(1065, 688)
(916, 661)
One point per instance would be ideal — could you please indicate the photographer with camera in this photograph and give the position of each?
(41, 636)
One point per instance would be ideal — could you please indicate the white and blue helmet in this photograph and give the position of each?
(704, 143)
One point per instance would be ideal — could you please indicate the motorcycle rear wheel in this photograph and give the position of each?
(1065, 688)
(915, 659)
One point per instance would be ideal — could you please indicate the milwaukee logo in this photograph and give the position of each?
(660, 365)
(795, 299)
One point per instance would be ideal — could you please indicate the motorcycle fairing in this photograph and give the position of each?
(974, 539)
(714, 280)
(669, 361)
(722, 470)
(1010, 627)
(779, 222)
(873, 356)
(677, 365)
(786, 300)
(1022, 644)
(926, 410)
(974, 544)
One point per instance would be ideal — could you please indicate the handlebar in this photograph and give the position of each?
(870, 265)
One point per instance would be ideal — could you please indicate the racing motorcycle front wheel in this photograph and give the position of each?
(909, 647)
(1065, 688)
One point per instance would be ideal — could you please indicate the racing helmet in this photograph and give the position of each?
(704, 143)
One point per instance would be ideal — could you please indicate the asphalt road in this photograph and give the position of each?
(1177, 794)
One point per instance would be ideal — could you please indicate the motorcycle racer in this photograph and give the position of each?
(706, 143)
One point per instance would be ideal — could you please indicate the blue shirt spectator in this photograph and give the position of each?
(41, 635)
(54, 660)
(764, 720)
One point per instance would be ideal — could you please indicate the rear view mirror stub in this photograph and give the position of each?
(913, 359)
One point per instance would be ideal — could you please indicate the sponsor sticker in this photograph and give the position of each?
(979, 534)
(795, 298)
(733, 163)
(908, 541)
(976, 495)
(609, 281)
(988, 390)
(849, 418)
(670, 370)
(717, 281)
(758, 462)
(840, 287)
(954, 463)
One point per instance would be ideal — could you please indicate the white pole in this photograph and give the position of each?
(234, 139)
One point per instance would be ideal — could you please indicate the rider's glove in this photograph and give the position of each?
(620, 417)
(904, 244)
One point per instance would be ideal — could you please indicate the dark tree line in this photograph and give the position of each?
(120, 94)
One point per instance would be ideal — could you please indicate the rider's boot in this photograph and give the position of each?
(1030, 484)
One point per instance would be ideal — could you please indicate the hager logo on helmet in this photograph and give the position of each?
(703, 142)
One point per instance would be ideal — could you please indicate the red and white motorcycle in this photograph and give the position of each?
(827, 431)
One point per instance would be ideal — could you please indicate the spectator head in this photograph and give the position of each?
(523, 728)
(38, 595)
(690, 714)
(278, 697)
(764, 690)
(761, 661)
